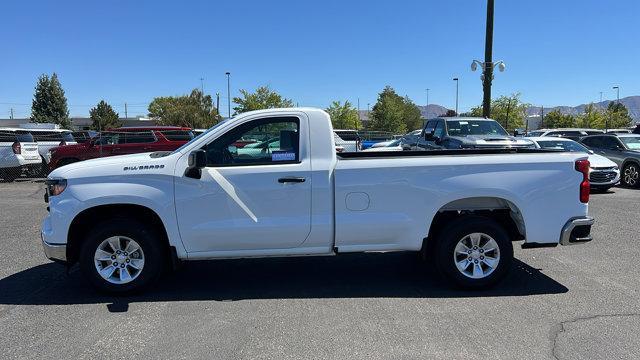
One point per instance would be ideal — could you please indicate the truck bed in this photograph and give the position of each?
(438, 152)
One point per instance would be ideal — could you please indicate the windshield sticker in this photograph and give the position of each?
(283, 156)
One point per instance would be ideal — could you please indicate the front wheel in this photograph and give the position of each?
(473, 252)
(631, 175)
(122, 256)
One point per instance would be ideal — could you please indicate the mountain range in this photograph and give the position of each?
(632, 104)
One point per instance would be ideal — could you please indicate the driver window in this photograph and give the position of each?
(258, 142)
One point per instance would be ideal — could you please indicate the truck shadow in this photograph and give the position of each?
(397, 275)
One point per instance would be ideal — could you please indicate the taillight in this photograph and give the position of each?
(17, 148)
(583, 167)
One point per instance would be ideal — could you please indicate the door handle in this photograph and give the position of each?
(291, 179)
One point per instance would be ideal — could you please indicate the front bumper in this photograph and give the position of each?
(577, 231)
(56, 252)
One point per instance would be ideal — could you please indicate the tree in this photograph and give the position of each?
(412, 115)
(49, 104)
(104, 117)
(509, 111)
(617, 116)
(262, 98)
(394, 113)
(555, 119)
(343, 116)
(195, 110)
(593, 118)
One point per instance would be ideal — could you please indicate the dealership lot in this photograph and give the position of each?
(564, 303)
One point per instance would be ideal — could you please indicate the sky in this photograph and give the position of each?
(557, 52)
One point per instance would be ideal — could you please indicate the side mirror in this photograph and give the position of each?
(518, 132)
(198, 159)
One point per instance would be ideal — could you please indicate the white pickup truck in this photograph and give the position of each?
(125, 218)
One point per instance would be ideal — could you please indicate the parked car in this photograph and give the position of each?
(346, 145)
(624, 150)
(48, 139)
(467, 133)
(569, 133)
(122, 141)
(124, 219)
(18, 154)
(409, 139)
(395, 145)
(637, 129)
(604, 173)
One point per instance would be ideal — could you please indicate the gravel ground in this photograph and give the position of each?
(578, 302)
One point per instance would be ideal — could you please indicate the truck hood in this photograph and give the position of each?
(121, 165)
(493, 140)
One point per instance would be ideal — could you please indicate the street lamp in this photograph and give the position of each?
(617, 89)
(457, 82)
(228, 92)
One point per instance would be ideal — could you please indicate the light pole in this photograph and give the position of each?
(617, 89)
(218, 104)
(228, 93)
(202, 85)
(457, 82)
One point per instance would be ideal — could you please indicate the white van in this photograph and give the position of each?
(18, 153)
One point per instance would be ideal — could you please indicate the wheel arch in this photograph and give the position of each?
(83, 222)
(500, 209)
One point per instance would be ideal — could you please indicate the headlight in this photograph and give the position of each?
(55, 186)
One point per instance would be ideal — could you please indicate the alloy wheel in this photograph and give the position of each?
(476, 255)
(119, 259)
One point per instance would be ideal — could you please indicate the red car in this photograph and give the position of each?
(122, 141)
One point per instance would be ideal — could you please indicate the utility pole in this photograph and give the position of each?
(228, 93)
(457, 81)
(126, 114)
(542, 117)
(506, 125)
(218, 102)
(202, 85)
(488, 60)
(358, 124)
(11, 117)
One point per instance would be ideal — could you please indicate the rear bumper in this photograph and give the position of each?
(577, 231)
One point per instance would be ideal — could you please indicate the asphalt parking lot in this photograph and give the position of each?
(565, 303)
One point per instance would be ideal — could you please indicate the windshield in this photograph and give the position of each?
(199, 136)
(475, 127)
(632, 142)
(570, 146)
(24, 137)
(68, 137)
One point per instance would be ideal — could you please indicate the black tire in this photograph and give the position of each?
(448, 238)
(43, 170)
(149, 240)
(630, 176)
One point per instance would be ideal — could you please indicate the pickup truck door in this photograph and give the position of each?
(249, 199)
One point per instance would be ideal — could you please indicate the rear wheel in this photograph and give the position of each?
(631, 175)
(473, 252)
(122, 256)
